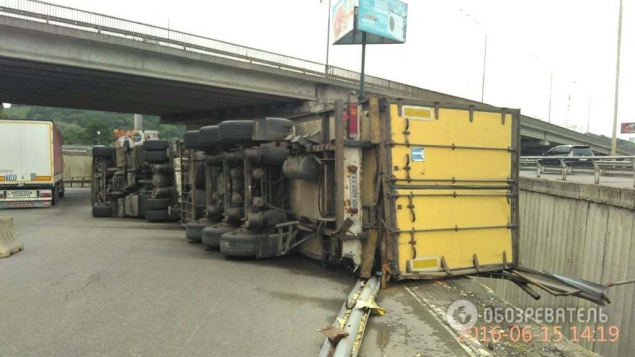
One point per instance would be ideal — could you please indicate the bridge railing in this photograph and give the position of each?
(597, 165)
(57, 15)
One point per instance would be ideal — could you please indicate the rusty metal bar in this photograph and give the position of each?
(453, 147)
(456, 229)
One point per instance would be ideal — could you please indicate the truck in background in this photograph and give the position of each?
(31, 164)
(135, 178)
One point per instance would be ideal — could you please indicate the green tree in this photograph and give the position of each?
(98, 132)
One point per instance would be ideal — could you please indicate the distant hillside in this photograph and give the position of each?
(80, 127)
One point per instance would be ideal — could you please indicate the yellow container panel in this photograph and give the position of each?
(454, 126)
(448, 212)
(453, 174)
(487, 244)
(443, 164)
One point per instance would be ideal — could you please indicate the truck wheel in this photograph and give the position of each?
(272, 129)
(158, 203)
(154, 145)
(157, 215)
(193, 230)
(56, 196)
(102, 211)
(210, 235)
(161, 180)
(209, 137)
(191, 139)
(103, 151)
(235, 131)
(155, 156)
(241, 243)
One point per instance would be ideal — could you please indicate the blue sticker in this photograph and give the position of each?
(418, 154)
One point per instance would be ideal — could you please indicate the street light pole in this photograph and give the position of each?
(484, 63)
(550, 95)
(328, 39)
(617, 83)
(484, 54)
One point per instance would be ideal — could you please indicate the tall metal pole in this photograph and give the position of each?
(588, 116)
(484, 53)
(550, 95)
(328, 40)
(361, 78)
(617, 83)
(484, 62)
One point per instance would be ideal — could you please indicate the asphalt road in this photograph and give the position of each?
(122, 287)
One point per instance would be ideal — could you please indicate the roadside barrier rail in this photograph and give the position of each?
(597, 165)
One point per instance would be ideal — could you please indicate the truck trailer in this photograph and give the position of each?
(401, 189)
(31, 164)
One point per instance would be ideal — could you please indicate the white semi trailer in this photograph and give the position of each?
(31, 164)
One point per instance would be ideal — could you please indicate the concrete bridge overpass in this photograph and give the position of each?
(52, 55)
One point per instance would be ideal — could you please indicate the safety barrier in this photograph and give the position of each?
(9, 244)
(597, 165)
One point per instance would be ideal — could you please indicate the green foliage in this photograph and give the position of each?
(3, 115)
(80, 127)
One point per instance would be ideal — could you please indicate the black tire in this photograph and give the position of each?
(272, 129)
(156, 145)
(102, 211)
(155, 156)
(161, 180)
(153, 204)
(198, 170)
(157, 215)
(236, 131)
(103, 151)
(210, 235)
(193, 230)
(191, 139)
(241, 243)
(209, 137)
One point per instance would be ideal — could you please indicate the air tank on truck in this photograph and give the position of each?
(31, 164)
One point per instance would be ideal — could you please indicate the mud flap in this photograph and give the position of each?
(557, 285)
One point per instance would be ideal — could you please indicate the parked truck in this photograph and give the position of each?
(31, 164)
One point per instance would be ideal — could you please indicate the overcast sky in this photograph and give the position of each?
(527, 42)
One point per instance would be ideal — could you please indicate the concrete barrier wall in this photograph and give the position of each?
(584, 231)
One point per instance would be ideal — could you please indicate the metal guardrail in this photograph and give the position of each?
(56, 15)
(70, 181)
(600, 165)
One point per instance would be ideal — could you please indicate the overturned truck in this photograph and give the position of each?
(401, 189)
(416, 190)
(135, 181)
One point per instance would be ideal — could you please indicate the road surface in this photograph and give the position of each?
(123, 287)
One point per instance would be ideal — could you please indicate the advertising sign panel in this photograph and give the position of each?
(343, 15)
(628, 128)
(384, 18)
(133, 137)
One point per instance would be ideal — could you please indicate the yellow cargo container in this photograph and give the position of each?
(421, 190)
(450, 193)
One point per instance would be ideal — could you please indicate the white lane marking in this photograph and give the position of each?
(471, 345)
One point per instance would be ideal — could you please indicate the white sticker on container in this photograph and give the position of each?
(418, 154)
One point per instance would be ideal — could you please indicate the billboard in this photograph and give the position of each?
(343, 15)
(628, 128)
(383, 22)
(133, 137)
(384, 18)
